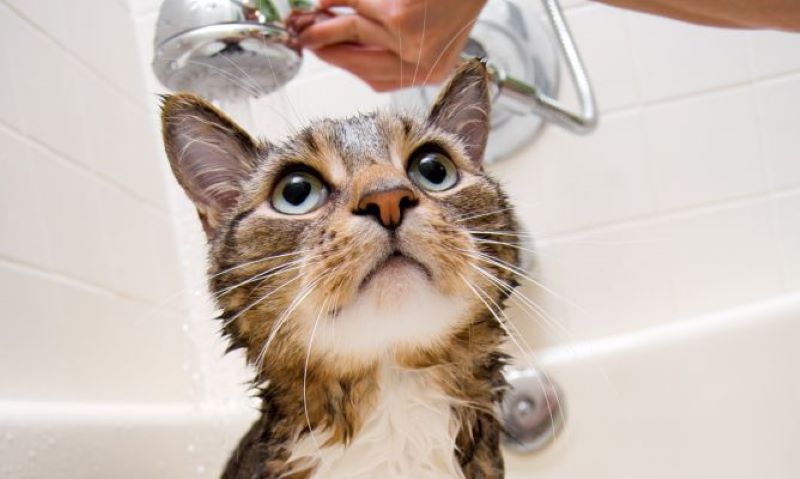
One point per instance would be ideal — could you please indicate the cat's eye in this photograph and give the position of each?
(432, 170)
(299, 192)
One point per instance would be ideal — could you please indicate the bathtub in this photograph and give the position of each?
(712, 396)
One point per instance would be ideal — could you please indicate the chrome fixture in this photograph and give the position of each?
(226, 49)
(522, 56)
(231, 50)
(532, 410)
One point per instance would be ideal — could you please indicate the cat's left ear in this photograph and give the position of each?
(463, 108)
(210, 156)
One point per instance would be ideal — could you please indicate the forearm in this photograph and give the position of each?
(776, 14)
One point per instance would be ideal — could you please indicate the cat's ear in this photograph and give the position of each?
(210, 155)
(463, 108)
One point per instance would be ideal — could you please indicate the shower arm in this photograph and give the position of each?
(534, 100)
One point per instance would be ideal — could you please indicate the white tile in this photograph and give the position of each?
(23, 236)
(47, 83)
(143, 158)
(142, 7)
(103, 36)
(787, 210)
(723, 258)
(72, 201)
(676, 58)
(9, 108)
(98, 32)
(122, 140)
(521, 179)
(775, 52)
(77, 344)
(600, 178)
(30, 306)
(778, 114)
(47, 15)
(609, 61)
(119, 350)
(145, 30)
(613, 281)
(704, 149)
(141, 250)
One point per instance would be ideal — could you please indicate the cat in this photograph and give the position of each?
(355, 264)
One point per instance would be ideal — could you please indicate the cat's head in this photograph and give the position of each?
(374, 236)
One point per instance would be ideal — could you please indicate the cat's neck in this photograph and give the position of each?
(426, 404)
(410, 430)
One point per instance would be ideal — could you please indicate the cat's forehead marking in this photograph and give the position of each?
(360, 142)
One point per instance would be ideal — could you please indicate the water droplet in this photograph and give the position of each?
(9, 436)
(190, 448)
(201, 469)
(51, 441)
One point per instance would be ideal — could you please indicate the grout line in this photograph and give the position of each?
(644, 220)
(704, 92)
(77, 58)
(776, 308)
(756, 99)
(785, 192)
(67, 160)
(129, 413)
(64, 279)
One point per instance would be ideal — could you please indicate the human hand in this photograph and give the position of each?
(392, 44)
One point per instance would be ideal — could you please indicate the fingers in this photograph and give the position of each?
(345, 29)
(383, 70)
(373, 9)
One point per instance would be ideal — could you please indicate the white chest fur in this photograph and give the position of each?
(410, 434)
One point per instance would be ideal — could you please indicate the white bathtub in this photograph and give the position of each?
(713, 396)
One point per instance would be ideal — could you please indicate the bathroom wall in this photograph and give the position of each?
(89, 268)
(685, 200)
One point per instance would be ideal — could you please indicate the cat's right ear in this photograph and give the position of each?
(210, 155)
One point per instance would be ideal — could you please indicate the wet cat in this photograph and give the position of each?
(355, 265)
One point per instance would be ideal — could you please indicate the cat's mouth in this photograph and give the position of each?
(395, 264)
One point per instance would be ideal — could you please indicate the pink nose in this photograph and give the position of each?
(387, 206)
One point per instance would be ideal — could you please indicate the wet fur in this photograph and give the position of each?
(337, 390)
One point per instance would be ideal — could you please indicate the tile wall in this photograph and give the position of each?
(686, 200)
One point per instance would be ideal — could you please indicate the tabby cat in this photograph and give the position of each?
(354, 263)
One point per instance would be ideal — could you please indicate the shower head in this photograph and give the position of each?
(226, 49)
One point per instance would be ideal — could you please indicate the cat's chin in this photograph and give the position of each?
(397, 306)
(394, 277)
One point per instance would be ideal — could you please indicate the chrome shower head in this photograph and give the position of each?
(226, 49)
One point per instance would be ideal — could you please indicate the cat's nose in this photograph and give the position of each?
(387, 206)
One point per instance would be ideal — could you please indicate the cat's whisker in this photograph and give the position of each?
(446, 48)
(519, 272)
(467, 217)
(479, 294)
(526, 302)
(282, 91)
(261, 300)
(421, 44)
(512, 234)
(256, 261)
(503, 243)
(305, 373)
(284, 317)
(249, 89)
(265, 275)
(250, 80)
(526, 355)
